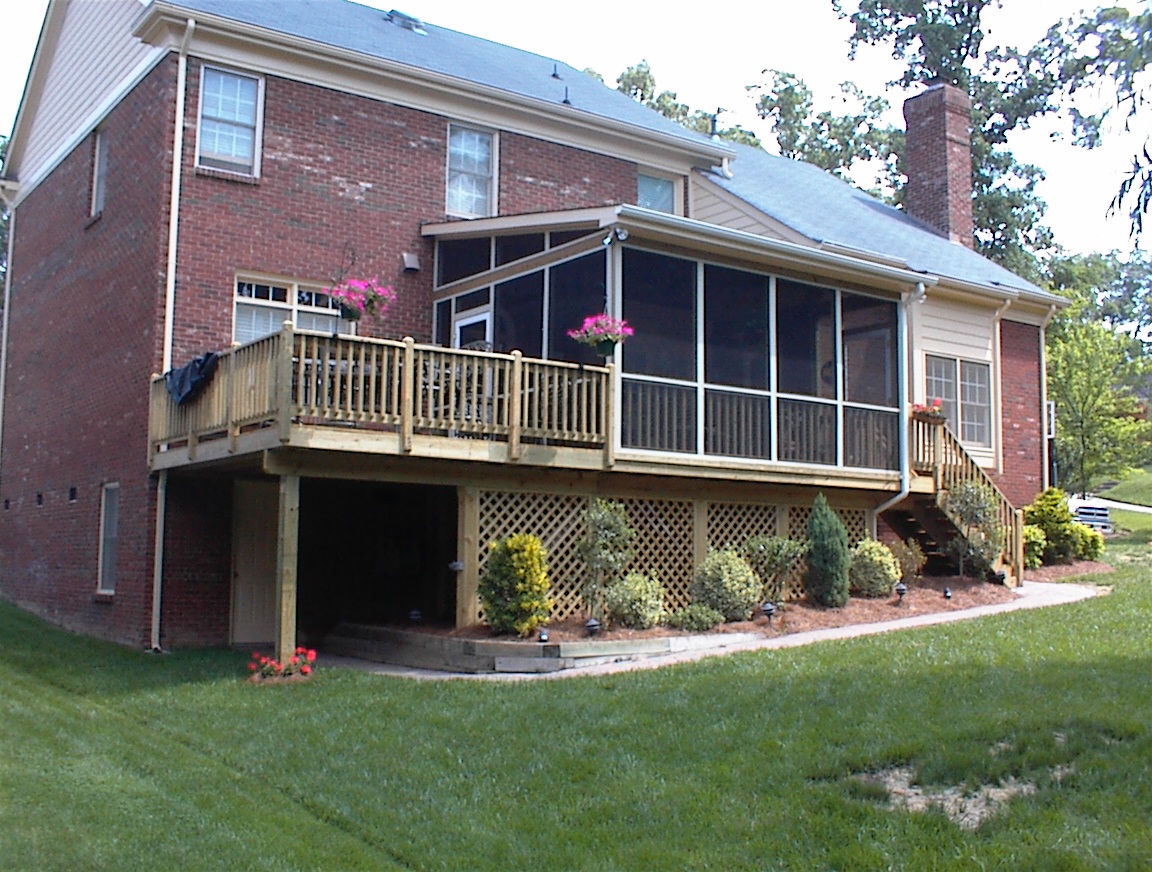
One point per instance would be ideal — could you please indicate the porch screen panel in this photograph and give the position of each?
(807, 432)
(519, 310)
(871, 438)
(735, 328)
(660, 304)
(737, 425)
(870, 353)
(576, 289)
(658, 416)
(806, 339)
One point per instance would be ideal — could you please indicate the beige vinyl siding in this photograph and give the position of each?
(711, 204)
(92, 55)
(949, 328)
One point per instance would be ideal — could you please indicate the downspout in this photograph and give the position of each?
(7, 309)
(1045, 478)
(169, 317)
(905, 411)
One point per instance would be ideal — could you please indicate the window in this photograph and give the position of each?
(262, 307)
(655, 192)
(470, 172)
(965, 392)
(229, 132)
(99, 172)
(109, 537)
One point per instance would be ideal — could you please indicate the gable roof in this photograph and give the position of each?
(831, 212)
(348, 26)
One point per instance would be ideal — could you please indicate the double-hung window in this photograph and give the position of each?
(263, 306)
(229, 125)
(964, 389)
(471, 172)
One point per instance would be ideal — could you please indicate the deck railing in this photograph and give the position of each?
(302, 377)
(937, 451)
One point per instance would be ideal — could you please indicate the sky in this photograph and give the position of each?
(707, 55)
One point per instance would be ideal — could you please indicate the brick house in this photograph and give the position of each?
(188, 177)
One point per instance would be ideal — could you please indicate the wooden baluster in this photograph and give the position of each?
(408, 393)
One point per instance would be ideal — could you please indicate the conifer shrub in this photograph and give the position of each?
(636, 601)
(873, 571)
(910, 558)
(1050, 513)
(1089, 542)
(1034, 543)
(725, 582)
(514, 586)
(826, 578)
(696, 618)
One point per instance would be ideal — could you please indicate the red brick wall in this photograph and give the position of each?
(1023, 419)
(83, 340)
(938, 161)
(339, 170)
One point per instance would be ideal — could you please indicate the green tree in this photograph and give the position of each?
(826, 578)
(607, 546)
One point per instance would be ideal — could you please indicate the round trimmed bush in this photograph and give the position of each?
(696, 618)
(1050, 512)
(1034, 544)
(636, 601)
(725, 582)
(873, 571)
(1089, 542)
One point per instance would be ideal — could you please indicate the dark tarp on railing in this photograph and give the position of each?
(186, 382)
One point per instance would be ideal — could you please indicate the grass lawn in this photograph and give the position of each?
(114, 759)
(1136, 488)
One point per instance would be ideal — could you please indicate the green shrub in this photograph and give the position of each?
(514, 586)
(910, 558)
(1050, 513)
(725, 582)
(826, 579)
(771, 558)
(974, 509)
(606, 549)
(635, 601)
(1034, 542)
(1089, 542)
(873, 571)
(695, 618)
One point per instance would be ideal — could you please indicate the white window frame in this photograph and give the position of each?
(958, 402)
(289, 310)
(677, 189)
(257, 126)
(109, 539)
(492, 177)
(99, 172)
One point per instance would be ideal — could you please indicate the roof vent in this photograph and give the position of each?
(408, 22)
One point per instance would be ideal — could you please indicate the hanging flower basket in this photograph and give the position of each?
(602, 333)
(348, 313)
(357, 297)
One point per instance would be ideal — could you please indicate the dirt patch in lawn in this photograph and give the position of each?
(924, 597)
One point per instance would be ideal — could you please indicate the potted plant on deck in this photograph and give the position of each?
(602, 332)
(931, 412)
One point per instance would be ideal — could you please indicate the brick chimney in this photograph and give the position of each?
(938, 158)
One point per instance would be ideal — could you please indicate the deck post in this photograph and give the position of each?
(407, 394)
(284, 381)
(609, 418)
(468, 553)
(287, 552)
(514, 400)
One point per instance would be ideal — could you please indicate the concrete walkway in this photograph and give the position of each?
(1030, 595)
(1127, 507)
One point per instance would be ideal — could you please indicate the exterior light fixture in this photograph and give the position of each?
(901, 590)
(947, 593)
(768, 609)
(593, 627)
(543, 637)
(415, 617)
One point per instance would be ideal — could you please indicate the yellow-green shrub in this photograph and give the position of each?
(635, 601)
(1034, 544)
(514, 587)
(725, 582)
(873, 571)
(1089, 542)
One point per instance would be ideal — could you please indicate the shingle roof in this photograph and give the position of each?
(351, 26)
(827, 209)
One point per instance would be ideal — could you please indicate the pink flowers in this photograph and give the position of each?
(359, 296)
(300, 663)
(601, 328)
(934, 406)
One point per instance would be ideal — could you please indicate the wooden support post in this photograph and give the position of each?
(609, 418)
(407, 394)
(468, 553)
(514, 401)
(287, 553)
(284, 381)
(699, 531)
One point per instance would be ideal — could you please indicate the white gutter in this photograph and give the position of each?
(1045, 480)
(905, 411)
(170, 317)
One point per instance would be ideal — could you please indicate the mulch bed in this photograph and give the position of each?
(925, 597)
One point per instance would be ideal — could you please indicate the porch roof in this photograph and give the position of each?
(638, 223)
